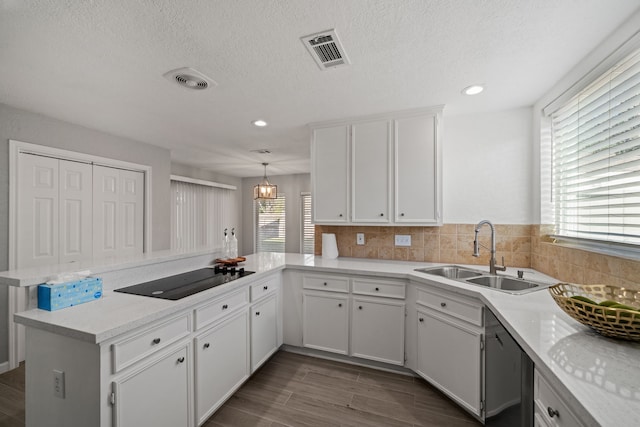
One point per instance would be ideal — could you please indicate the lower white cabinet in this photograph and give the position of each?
(377, 329)
(264, 330)
(156, 394)
(326, 321)
(221, 363)
(550, 410)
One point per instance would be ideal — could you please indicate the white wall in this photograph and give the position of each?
(291, 186)
(191, 172)
(487, 168)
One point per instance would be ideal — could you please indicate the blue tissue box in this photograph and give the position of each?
(62, 295)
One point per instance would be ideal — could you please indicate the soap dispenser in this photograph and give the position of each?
(233, 245)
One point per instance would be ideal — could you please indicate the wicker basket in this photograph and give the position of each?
(610, 322)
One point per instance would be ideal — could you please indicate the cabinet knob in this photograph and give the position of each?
(402, 214)
(443, 304)
(265, 287)
(421, 319)
(225, 306)
(206, 345)
(340, 215)
(181, 360)
(325, 283)
(257, 313)
(377, 289)
(553, 412)
(359, 307)
(156, 341)
(339, 304)
(381, 214)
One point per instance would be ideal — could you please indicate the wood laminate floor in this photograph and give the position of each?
(296, 390)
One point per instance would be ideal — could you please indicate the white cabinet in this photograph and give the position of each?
(418, 184)
(264, 331)
(326, 321)
(330, 176)
(394, 169)
(377, 329)
(156, 394)
(371, 171)
(221, 363)
(449, 345)
(550, 410)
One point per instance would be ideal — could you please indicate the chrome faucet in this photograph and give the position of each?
(493, 268)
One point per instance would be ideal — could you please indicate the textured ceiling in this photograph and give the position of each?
(100, 64)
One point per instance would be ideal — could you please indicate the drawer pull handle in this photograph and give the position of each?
(156, 341)
(257, 313)
(377, 289)
(443, 304)
(265, 288)
(181, 360)
(553, 412)
(421, 319)
(225, 306)
(340, 305)
(206, 345)
(325, 283)
(359, 307)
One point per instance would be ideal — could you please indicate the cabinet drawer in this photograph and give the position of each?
(548, 403)
(455, 305)
(263, 288)
(331, 283)
(378, 288)
(129, 351)
(220, 307)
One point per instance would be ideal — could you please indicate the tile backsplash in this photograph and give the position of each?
(520, 245)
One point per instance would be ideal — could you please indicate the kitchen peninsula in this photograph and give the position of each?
(112, 338)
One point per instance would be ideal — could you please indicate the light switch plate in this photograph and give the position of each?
(403, 240)
(359, 238)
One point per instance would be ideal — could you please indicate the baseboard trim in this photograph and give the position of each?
(4, 367)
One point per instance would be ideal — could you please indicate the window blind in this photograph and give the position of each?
(270, 224)
(199, 214)
(308, 229)
(596, 158)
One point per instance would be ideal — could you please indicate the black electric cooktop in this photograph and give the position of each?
(186, 284)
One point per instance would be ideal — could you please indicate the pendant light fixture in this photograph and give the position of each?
(264, 190)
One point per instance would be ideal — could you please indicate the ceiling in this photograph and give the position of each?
(100, 63)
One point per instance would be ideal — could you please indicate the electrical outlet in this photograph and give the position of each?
(359, 238)
(58, 383)
(403, 240)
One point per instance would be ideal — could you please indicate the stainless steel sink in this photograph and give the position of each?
(482, 278)
(451, 272)
(507, 284)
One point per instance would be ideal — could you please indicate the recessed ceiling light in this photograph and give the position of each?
(260, 123)
(472, 90)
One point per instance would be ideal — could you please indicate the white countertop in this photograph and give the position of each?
(599, 375)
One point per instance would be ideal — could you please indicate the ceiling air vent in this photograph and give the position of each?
(326, 49)
(190, 78)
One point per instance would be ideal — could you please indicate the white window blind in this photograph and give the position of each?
(270, 227)
(596, 158)
(308, 229)
(199, 214)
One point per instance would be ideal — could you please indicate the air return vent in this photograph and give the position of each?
(190, 78)
(326, 49)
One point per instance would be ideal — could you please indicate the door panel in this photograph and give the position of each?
(76, 216)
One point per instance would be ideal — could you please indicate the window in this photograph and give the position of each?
(199, 215)
(308, 229)
(270, 224)
(596, 158)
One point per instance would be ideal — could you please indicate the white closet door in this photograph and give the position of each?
(37, 222)
(75, 211)
(118, 209)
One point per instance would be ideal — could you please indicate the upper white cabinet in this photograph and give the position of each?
(378, 170)
(330, 174)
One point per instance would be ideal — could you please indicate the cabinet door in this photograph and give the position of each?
(326, 322)
(157, 394)
(370, 171)
(417, 163)
(449, 357)
(264, 331)
(377, 330)
(329, 163)
(222, 363)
